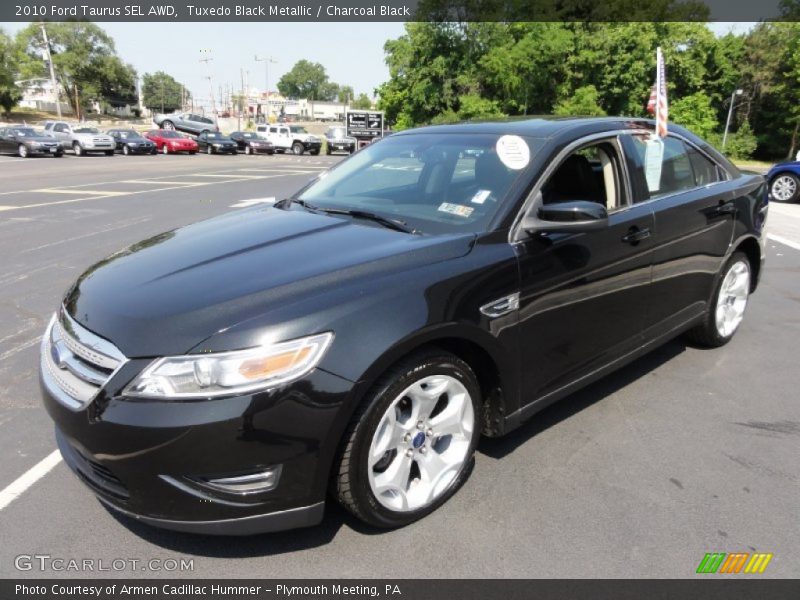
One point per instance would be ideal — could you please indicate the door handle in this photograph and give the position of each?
(636, 235)
(725, 208)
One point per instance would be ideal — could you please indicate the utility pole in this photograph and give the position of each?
(207, 58)
(266, 60)
(52, 70)
(735, 93)
(241, 96)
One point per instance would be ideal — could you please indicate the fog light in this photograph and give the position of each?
(251, 483)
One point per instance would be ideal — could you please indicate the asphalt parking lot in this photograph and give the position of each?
(684, 452)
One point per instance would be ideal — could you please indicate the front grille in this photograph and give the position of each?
(76, 363)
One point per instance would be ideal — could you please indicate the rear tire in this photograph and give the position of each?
(785, 187)
(392, 445)
(168, 125)
(728, 304)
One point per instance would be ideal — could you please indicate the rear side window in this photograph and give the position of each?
(673, 173)
(705, 171)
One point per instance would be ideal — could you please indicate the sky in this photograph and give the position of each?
(352, 53)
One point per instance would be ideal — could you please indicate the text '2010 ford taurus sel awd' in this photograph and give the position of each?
(358, 337)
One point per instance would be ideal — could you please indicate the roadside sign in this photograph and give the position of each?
(364, 123)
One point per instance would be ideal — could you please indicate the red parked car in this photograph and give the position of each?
(171, 142)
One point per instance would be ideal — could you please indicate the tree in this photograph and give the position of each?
(583, 102)
(695, 113)
(85, 62)
(362, 102)
(10, 93)
(307, 80)
(162, 93)
(345, 94)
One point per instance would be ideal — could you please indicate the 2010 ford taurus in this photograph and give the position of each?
(354, 341)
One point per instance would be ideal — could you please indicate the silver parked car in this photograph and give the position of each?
(80, 138)
(186, 122)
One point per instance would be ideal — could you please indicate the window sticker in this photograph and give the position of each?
(513, 151)
(481, 196)
(456, 209)
(653, 161)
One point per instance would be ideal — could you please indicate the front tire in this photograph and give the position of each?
(209, 150)
(785, 188)
(77, 149)
(248, 150)
(728, 304)
(22, 151)
(126, 150)
(165, 149)
(297, 148)
(168, 125)
(410, 446)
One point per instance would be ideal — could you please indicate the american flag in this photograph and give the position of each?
(657, 104)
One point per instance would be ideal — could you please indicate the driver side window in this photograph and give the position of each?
(593, 173)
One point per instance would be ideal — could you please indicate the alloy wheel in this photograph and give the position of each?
(784, 188)
(23, 151)
(421, 443)
(732, 298)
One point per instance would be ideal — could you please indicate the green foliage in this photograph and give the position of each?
(740, 144)
(345, 94)
(583, 102)
(9, 92)
(308, 80)
(362, 102)
(162, 93)
(695, 113)
(85, 62)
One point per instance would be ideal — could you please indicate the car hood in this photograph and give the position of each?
(166, 294)
(93, 136)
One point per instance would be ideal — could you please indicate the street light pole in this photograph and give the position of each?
(52, 71)
(737, 92)
(206, 60)
(266, 60)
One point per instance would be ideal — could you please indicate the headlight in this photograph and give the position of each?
(132, 144)
(228, 373)
(216, 144)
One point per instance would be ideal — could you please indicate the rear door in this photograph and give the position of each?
(692, 200)
(583, 295)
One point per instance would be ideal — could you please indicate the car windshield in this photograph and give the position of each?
(170, 134)
(128, 133)
(249, 135)
(216, 136)
(23, 132)
(297, 129)
(436, 183)
(336, 133)
(86, 130)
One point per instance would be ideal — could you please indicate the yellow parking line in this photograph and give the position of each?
(66, 191)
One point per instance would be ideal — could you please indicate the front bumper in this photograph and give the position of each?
(312, 145)
(141, 149)
(148, 459)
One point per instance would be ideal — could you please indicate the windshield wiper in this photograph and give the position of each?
(287, 202)
(395, 224)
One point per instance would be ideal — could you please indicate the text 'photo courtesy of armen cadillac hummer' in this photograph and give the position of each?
(354, 341)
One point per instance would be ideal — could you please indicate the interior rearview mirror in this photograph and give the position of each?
(572, 216)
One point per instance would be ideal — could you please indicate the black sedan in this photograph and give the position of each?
(361, 335)
(26, 141)
(130, 141)
(213, 142)
(251, 143)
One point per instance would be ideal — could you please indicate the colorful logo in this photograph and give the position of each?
(735, 562)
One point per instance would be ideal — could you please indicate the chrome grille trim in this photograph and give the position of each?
(75, 363)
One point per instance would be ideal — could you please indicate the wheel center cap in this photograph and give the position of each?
(418, 440)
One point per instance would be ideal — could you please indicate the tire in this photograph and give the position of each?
(168, 125)
(59, 154)
(314, 152)
(165, 149)
(785, 187)
(328, 151)
(297, 148)
(125, 150)
(110, 152)
(154, 151)
(271, 152)
(22, 150)
(248, 150)
(192, 152)
(209, 150)
(77, 149)
(409, 496)
(732, 289)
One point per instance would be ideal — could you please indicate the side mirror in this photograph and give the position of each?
(574, 216)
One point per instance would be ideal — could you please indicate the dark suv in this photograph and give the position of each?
(360, 336)
(338, 141)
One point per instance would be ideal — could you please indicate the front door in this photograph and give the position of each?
(583, 295)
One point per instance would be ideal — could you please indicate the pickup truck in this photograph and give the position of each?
(80, 138)
(290, 138)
